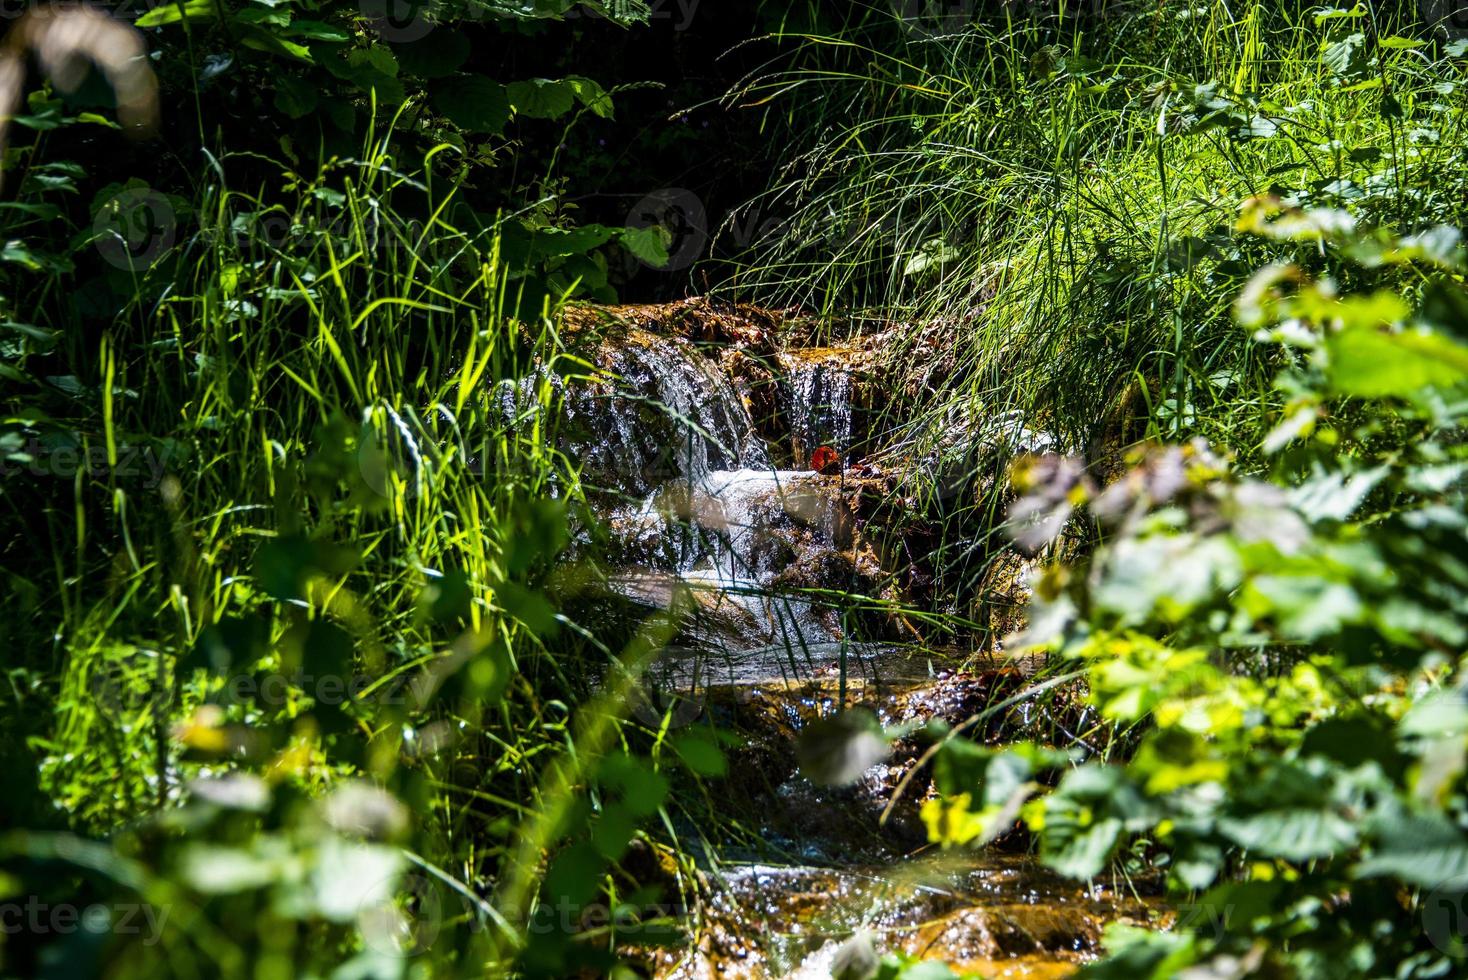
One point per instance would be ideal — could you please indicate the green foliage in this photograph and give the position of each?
(1286, 651)
(1052, 196)
(286, 520)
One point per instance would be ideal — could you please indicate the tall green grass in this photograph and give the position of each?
(1037, 181)
(1043, 198)
(318, 458)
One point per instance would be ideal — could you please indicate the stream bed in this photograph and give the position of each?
(703, 437)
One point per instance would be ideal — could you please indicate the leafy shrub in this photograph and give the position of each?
(1285, 649)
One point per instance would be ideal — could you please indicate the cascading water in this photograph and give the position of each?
(820, 402)
(698, 508)
(707, 508)
(661, 412)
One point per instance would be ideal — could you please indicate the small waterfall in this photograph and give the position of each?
(820, 402)
(662, 412)
(701, 504)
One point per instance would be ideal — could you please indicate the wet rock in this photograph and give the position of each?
(996, 915)
(1007, 931)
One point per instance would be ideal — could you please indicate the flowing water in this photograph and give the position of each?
(821, 388)
(697, 505)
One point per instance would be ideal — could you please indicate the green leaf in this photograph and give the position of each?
(294, 96)
(474, 103)
(701, 754)
(643, 790)
(229, 645)
(1296, 834)
(613, 831)
(1346, 57)
(591, 95)
(1436, 714)
(574, 875)
(284, 564)
(171, 13)
(1370, 363)
(317, 30)
(213, 869)
(647, 244)
(1441, 245)
(378, 59)
(542, 98)
(1306, 607)
(553, 243)
(1083, 854)
(1134, 953)
(528, 607)
(1335, 496)
(932, 254)
(349, 877)
(275, 17)
(959, 766)
(1424, 850)
(260, 39)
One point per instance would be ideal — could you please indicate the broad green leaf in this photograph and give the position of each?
(591, 95)
(474, 103)
(261, 39)
(317, 30)
(350, 877)
(557, 242)
(1299, 834)
(932, 254)
(1437, 713)
(378, 58)
(647, 244)
(701, 754)
(1425, 850)
(440, 54)
(214, 869)
(1084, 854)
(1305, 607)
(1370, 363)
(1335, 496)
(1346, 57)
(294, 96)
(542, 98)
